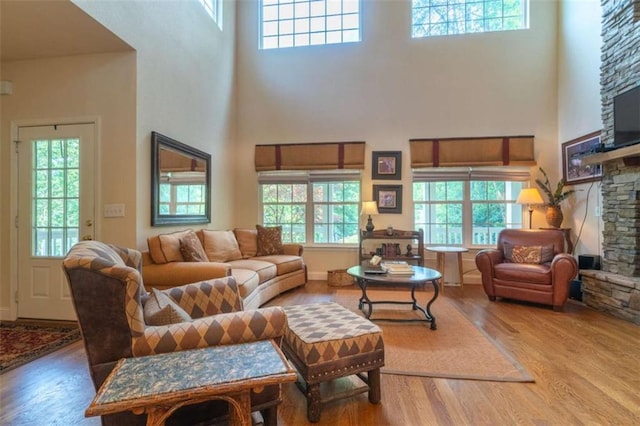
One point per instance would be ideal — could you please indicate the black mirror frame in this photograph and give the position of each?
(157, 141)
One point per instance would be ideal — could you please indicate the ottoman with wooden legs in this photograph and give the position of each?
(326, 341)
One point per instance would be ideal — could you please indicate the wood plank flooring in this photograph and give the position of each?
(586, 366)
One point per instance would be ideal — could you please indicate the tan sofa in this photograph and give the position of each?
(259, 277)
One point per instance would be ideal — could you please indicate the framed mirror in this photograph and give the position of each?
(180, 183)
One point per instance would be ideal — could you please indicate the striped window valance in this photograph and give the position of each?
(477, 151)
(310, 156)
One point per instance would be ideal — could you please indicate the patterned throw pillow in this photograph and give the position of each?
(526, 254)
(160, 309)
(269, 240)
(191, 248)
(547, 253)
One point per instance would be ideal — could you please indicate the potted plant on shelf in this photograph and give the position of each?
(554, 212)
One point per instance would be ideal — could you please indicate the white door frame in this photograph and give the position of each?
(13, 234)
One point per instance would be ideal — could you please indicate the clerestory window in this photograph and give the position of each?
(446, 17)
(291, 23)
(214, 9)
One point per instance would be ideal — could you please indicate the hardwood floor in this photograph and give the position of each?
(585, 364)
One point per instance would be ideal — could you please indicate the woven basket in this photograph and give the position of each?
(339, 278)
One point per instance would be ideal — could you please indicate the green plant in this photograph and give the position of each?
(557, 196)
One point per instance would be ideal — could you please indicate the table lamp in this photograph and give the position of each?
(369, 208)
(529, 196)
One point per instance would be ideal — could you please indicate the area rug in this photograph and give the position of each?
(456, 350)
(24, 342)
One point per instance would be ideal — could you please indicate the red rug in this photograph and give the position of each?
(22, 342)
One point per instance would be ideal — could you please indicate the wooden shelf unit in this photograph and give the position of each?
(398, 236)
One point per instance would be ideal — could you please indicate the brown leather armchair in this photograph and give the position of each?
(109, 299)
(546, 282)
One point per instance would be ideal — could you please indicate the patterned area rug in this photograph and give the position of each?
(24, 342)
(456, 350)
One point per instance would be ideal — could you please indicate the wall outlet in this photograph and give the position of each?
(113, 210)
(598, 211)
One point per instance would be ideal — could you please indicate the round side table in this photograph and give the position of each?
(441, 252)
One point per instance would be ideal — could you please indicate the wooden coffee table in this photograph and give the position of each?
(160, 384)
(420, 277)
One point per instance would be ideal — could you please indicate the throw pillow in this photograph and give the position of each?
(526, 254)
(165, 248)
(191, 248)
(160, 309)
(547, 254)
(248, 241)
(220, 246)
(269, 240)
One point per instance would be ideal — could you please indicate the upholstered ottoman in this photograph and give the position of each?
(326, 341)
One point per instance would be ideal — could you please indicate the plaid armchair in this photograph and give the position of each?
(109, 298)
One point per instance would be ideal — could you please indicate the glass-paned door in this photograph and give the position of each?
(55, 211)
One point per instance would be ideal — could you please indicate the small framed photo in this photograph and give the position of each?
(388, 198)
(573, 171)
(386, 165)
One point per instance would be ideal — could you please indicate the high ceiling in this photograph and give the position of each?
(32, 29)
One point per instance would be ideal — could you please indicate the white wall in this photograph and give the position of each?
(185, 81)
(179, 82)
(390, 88)
(100, 85)
(579, 109)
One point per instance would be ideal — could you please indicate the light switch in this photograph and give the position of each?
(114, 210)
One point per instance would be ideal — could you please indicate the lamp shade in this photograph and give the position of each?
(529, 196)
(369, 207)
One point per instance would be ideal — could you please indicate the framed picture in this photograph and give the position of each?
(573, 171)
(386, 165)
(388, 198)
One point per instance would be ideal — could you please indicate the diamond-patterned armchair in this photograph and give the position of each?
(109, 298)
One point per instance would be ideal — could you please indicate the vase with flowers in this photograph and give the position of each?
(556, 196)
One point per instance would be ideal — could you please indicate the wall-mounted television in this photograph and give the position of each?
(626, 118)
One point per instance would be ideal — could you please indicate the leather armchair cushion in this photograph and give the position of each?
(526, 272)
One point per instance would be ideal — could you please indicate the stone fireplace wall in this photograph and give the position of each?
(616, 289)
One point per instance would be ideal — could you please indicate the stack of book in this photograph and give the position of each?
(398, 268)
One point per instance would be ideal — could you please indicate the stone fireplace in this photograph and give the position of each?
(616, 289)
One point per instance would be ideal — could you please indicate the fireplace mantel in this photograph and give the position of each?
(627, 152)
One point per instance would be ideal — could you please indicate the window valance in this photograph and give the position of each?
(310, 156)
(480, 151)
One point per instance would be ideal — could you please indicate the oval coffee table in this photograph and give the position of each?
(420, 277)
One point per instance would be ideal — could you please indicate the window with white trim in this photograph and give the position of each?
(291, 23)
(446, 17)
(312, 208)
(467, 207)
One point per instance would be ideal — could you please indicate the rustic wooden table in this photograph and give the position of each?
(160, 384)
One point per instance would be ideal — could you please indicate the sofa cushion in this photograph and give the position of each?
(160, 309)
(284, 263)
(265, 270)
(247, 281)
(165, 248)
(269, 240)
(247, 241)
(220, 246)
(191, 248)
